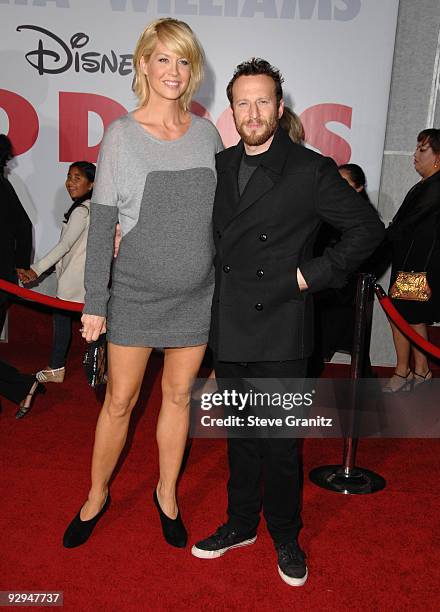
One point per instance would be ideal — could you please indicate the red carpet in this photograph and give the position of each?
(375, 552)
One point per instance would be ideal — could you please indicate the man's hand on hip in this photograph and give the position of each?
(301, 280)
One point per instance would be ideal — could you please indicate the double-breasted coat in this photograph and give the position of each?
(264, 235)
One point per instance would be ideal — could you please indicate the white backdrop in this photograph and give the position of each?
(65, 74)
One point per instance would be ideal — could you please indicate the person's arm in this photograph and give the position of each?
(75, 227)
(361, 230)
(103, 218)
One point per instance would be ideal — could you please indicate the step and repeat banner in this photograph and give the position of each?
(66, 73)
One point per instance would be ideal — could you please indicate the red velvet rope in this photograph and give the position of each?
(404, 327)
(384, 300)
(47, 300)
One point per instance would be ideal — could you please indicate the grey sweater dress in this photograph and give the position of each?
(162, 193)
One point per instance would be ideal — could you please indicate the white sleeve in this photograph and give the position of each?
(75, 227)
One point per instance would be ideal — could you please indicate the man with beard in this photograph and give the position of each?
(271, 197)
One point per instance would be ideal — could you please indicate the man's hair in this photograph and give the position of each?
(253, 67)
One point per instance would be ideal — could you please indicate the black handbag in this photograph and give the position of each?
(95, 361)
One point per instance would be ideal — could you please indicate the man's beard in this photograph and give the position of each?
(254, 138)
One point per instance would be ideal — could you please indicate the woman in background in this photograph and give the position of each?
(69, 257)
(414, 235)
(292, 124)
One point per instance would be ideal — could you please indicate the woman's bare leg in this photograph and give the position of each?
(403, 351)
(181, 366)
(402, 373)
(421, 365)
(126, 368)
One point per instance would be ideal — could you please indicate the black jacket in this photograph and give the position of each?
(16, 233)
(258, 311)
(414, 236)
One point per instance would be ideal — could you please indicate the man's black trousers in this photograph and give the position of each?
(264, 472)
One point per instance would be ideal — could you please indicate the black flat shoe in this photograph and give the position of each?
(173, 530)
(78, 532)
(26, 404)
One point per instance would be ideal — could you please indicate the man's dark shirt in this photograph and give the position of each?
(248, 165)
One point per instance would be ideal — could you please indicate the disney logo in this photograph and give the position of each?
(54, 56)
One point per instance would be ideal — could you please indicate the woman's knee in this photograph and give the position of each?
(176, 394)
(119, 405)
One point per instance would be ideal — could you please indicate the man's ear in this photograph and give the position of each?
(281, 109)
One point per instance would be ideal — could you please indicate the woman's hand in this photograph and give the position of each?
(92, 327)
(21, 273)
(27, 276)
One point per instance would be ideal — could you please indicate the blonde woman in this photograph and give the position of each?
(156, 177)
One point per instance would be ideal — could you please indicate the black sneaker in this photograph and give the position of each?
(292, 564)
(220, 542)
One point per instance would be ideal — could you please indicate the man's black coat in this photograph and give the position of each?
(258, 311)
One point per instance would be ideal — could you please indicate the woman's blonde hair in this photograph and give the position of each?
(292, 124)
(180, 39)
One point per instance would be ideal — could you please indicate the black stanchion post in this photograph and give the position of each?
(346, 478)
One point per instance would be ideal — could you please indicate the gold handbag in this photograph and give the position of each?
(412, 285)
